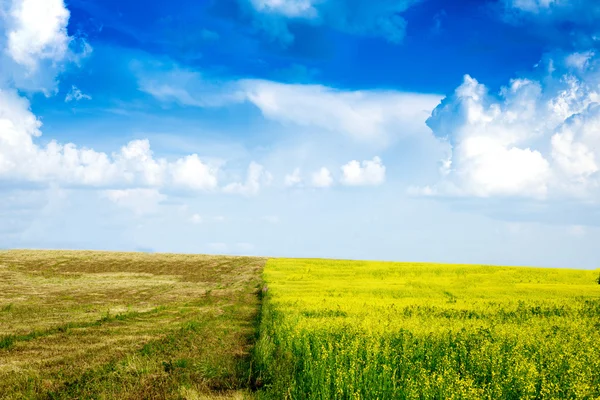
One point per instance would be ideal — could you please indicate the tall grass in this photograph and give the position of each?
(357, 330)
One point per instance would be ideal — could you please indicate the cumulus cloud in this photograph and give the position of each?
(22, 159)
(535, 139)
(196, 219)
(368, 173)
(322, 178)
(37, 40)
(75, 94)
(256, 178)
(35, 44)
(576, 148)
(37, 30)
(293, 179)
(191, 172)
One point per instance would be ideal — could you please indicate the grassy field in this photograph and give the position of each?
(370, 330)
(142, 326)
(126, 325)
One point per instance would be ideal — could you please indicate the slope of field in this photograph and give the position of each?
(370, 330)
(126, 325)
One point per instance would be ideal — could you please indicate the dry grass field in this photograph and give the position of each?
(81, 324)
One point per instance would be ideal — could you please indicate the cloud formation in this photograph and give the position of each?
(293, 179)
(538, 138)
(256, 177)
(133, 166)
(570, 23)
(36, 35)
(37, 30)
(362, 115)
(35, 44)
(369, 172)
(286, 8)
(75, 94)
(357, 17)
(322, 178)
(370, 116)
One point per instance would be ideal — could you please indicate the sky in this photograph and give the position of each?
(403, 130)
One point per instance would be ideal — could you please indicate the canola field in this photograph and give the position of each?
(374, 330)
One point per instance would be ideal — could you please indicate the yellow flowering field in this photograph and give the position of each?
(376, 330)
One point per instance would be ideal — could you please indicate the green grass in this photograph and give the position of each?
(371, 330)
(126, 325)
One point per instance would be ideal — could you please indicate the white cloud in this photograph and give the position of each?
(293, 179)
(382, 18)
(322, 178)
(579, 60)
(368, 116)
(369, 173)
(139, 201)
(35, 46)
(485, 135)
(363, 115)
(190, 172)
(580, 15)
(76, 94)
(533, 6)
(37, 30)
(287, 8)
(187, 87)
(576, 148)
(196, 219)
(256, 178)
(21, 159)
(537, 139)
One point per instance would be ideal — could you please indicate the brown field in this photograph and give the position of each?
(82, 324)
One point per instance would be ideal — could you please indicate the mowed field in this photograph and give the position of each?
(126, 325)
(370, 330)
(140, 326)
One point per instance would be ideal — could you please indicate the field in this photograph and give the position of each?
(141, 326)
(126, 325)
(369, 330)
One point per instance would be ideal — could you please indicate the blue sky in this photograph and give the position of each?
(410, 130)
